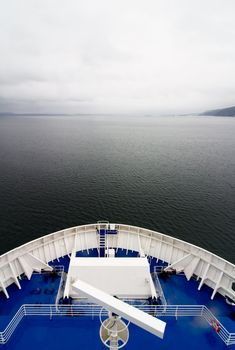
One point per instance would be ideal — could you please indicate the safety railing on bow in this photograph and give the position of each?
(94, 310)
(59, 269)
(228, 338)
(158, 288)
(9, 330)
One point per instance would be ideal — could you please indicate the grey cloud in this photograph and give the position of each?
(116, 56)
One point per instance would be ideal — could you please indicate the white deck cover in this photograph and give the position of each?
(123, 277)
(130, 313)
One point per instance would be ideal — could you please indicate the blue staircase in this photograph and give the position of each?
(102, 239)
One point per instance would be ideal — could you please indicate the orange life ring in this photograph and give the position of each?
(215, 325)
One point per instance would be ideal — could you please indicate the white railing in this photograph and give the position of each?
(158, 288)
(228, 338)
(60, 270)
(94, 310)
(9, 330)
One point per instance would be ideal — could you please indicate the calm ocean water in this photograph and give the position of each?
(172, 174)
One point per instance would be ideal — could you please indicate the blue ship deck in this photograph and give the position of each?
(65, 332)
(40, 289)
(83, 333)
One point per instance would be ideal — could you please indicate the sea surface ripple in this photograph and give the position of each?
(175, 175)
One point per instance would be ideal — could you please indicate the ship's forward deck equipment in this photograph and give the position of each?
(125, 278)
(118, 307)
(193, 286)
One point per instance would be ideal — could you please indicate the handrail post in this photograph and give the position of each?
(202, 308)
(176, 312)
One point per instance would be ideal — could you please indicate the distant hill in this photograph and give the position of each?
(223, 112)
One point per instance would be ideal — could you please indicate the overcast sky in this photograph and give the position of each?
(96, 56)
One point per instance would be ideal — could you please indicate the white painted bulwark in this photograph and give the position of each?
(125, 278)
(209, 268)
(130, 313)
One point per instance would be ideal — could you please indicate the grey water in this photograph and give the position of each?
(175, 175)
